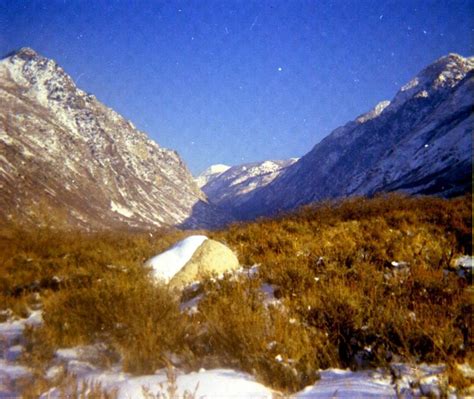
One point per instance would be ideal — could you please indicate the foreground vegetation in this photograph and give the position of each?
(358, 283)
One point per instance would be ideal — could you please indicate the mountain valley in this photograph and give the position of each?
(62, 149)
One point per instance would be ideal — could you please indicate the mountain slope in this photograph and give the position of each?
(63, 149)
(210, 174)
(420, 142)
(227, 188)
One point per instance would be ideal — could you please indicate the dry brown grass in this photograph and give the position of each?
(139, 321)
(332, 265)
(342, 303)
(238, 330)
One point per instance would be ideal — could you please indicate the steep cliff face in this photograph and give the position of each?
(420, 142)
(60, 148)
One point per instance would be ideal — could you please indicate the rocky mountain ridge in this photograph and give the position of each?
(418, 143)
(225, 189)
(62, 148)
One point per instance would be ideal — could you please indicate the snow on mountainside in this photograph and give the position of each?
(61, 147)
(210, 174)
(420, 142)
(225, 189)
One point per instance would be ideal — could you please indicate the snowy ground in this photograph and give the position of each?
(11, 333)
(336, 383)
(217, 383)
(402, 380)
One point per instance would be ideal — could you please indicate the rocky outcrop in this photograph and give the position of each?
(64, 153)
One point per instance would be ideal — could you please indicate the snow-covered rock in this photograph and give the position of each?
(61, 147)
(170, 262)
(420, 142)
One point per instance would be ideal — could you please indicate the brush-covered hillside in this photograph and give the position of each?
(358, 284)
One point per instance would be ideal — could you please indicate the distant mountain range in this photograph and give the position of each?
(418, 143)
(64, 151)
(225, 186)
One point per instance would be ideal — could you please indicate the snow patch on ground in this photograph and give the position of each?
(335, 383)
(465, 261)
(217, 383)
(11, 333)
(191, 306)
(13, 353)
(170, 262)
(10, 372)
(12, 330)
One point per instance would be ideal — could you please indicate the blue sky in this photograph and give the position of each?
(239, 81)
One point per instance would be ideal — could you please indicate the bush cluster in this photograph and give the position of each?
(356, 283)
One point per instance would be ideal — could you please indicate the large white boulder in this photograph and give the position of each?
(191, 260)
(170, 262)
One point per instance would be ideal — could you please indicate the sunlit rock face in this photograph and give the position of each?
(419, 143)
(63, 150)
(191, 260)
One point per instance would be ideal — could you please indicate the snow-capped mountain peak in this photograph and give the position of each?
(210, 173)
(444, 73)
(60, 146)
(420, 142)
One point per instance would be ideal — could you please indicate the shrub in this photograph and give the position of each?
(241, 331)
(332, 264)
(140, 321)
(342, 301)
